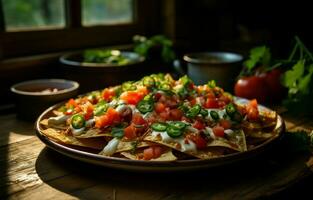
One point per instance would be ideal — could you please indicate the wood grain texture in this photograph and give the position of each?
(29, 170)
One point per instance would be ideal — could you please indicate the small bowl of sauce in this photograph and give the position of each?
(34, 96)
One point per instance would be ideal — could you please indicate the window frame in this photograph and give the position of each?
(77, 36)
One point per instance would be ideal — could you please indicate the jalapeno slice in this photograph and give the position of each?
(78, 121)
(100, 108)
(204, 112)
(194, 111)
(214, 115)
(230, 109)
(174, 132)
(178, 125)
(148, 81)
(145, 106)
(158, 126)
(127, 86)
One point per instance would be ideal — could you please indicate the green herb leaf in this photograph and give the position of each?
(118, 132)
(292, 76)
(258, 56)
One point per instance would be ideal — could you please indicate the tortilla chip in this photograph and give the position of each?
(166, 156)
(129, 145)
(57, 113)
(59, 136)
(44, 122)
(93, 133)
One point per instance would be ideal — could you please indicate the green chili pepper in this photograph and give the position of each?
(100, 108)
(177, 124)
(194, 111)
(204, 112)
(78, 121)
(212, 84)
(158, 126)
(128, 86)
(165, 86)
(230, 109)
(214, 115)
(148, 81)
(145, 106)
(173, 132)
(237, 117)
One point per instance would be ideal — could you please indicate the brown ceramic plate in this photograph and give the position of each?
(153, 166)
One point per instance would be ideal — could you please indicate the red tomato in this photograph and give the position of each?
(152, 152)
(159, 107)
(225, 123)
(198, 140)
(199, 125)
(71, 103)
(193, 101)
(148, 153)
(138, 119)
(103, 121)
(130, 132)
(211, 103)
(165, 115)
(89, 112)
(252, 87)
(218, 131)
(131, 97)
(272, 80)
(176, 114)
(108, 94)
(113, 115)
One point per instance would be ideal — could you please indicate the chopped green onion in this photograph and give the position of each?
(78, 121)
(158, 126)
(145, 106)
(118, 132)
(173, 132)
(214, 115)
(194, 111)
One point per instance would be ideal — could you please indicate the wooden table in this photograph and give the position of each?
(29, 170)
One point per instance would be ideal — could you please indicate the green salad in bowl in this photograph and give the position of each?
(106, 56)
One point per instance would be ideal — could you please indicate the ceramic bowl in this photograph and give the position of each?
(34, 96)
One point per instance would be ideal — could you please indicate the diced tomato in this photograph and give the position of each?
(148, 153)
(226, 124)
(157, 151)
(138, 119)
(89, 112)
(252, 110)
(193, 101)
(108, 94)
(165, 115)
(218, 131)
(131, 97)
(152, 152)
(103, 121)
(199, 125)
(143, 91)
(253, 103)
(221, 104)
(211, 103)
(198, 140)
(130, 132)
(253, 114)
(163, 99)
(176, 114)
(157, 96)
(113, 115)
(159, 107)
(71, 103)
